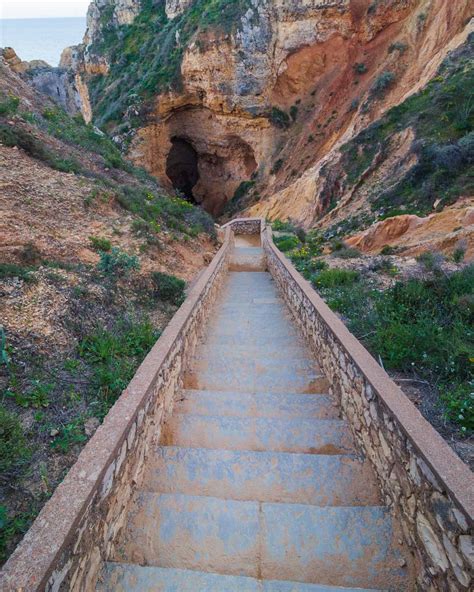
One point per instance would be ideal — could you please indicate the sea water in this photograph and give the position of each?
(41, 39)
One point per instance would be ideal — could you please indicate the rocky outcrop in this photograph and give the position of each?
(17, 64)
(64, 85)
(176, 7)
(263, 91)
(442, 232)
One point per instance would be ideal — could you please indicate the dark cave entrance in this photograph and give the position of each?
(182, 167)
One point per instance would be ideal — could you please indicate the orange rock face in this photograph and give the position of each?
(441, 232)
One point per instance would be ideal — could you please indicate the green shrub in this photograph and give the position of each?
(277, 166)
(169, 288)
(279, 118)
(388, 250)
(280, 226)
(13, 445)
(399, 46)
(286, 243)
(10, 527)
(10, 270)
(69, 436)
(347, 253)
(294, 112)
(8, 105)
(431, 261)
(382, 83)
(360, 68)
(100, 243)
(117, 263)
(113, 356)
(354, 105)
(330, 278)
(459, 252)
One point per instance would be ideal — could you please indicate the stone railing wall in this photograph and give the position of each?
(75, 532)
(246, 225)
(429, 488)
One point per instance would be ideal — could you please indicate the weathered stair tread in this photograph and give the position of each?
(312, 436)
(257, 377)
(294, 352)
(263, 476)
(337, 546)
(123, 577)
(284, 405)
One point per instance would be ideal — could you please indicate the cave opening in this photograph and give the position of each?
(182, 167)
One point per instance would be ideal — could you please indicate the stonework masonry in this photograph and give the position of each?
(430, 490)
(74, 533)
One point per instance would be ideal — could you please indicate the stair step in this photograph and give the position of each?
(285, 406)
(332, 545)
(248, 259)
(296, 351)
(255, 378)
(312, 436)
(219, 364)
(262, 476)
(123, 577)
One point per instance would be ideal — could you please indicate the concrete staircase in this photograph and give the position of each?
(256, 485)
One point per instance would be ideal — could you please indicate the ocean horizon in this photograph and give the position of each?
(41, 38)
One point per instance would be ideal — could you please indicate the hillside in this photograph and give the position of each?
(89, 255)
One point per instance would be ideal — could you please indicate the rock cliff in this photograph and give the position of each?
(245, 105)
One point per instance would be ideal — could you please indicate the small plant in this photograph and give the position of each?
(286, 243)
(4, 357)
(420, 21)
(382, 83)
(388, 250)
(354, 105)
(337, 244)
(13, 446)
(280, 226)
(399, 46)
(279, 118)
(69, 436)
(9, 105)
(38, 396)
(117, 263)
(169, 288)
(360, 68)
(10, 270)
(459, 252)
(431, 261)
(347, 253)
(384, 265)
(277, 166)
(294, 112)
(100, 243)
(330, 278)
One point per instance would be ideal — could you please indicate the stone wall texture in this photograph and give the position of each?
(430, 490)
(74, 533)
(245, 225)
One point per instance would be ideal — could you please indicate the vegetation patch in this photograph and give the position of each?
(420, 326)
(442, 117)
(146, 56)
(169, 288)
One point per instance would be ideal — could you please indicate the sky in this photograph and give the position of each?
(42, 8)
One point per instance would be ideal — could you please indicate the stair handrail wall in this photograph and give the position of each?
(426, 484)
(75, 531)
